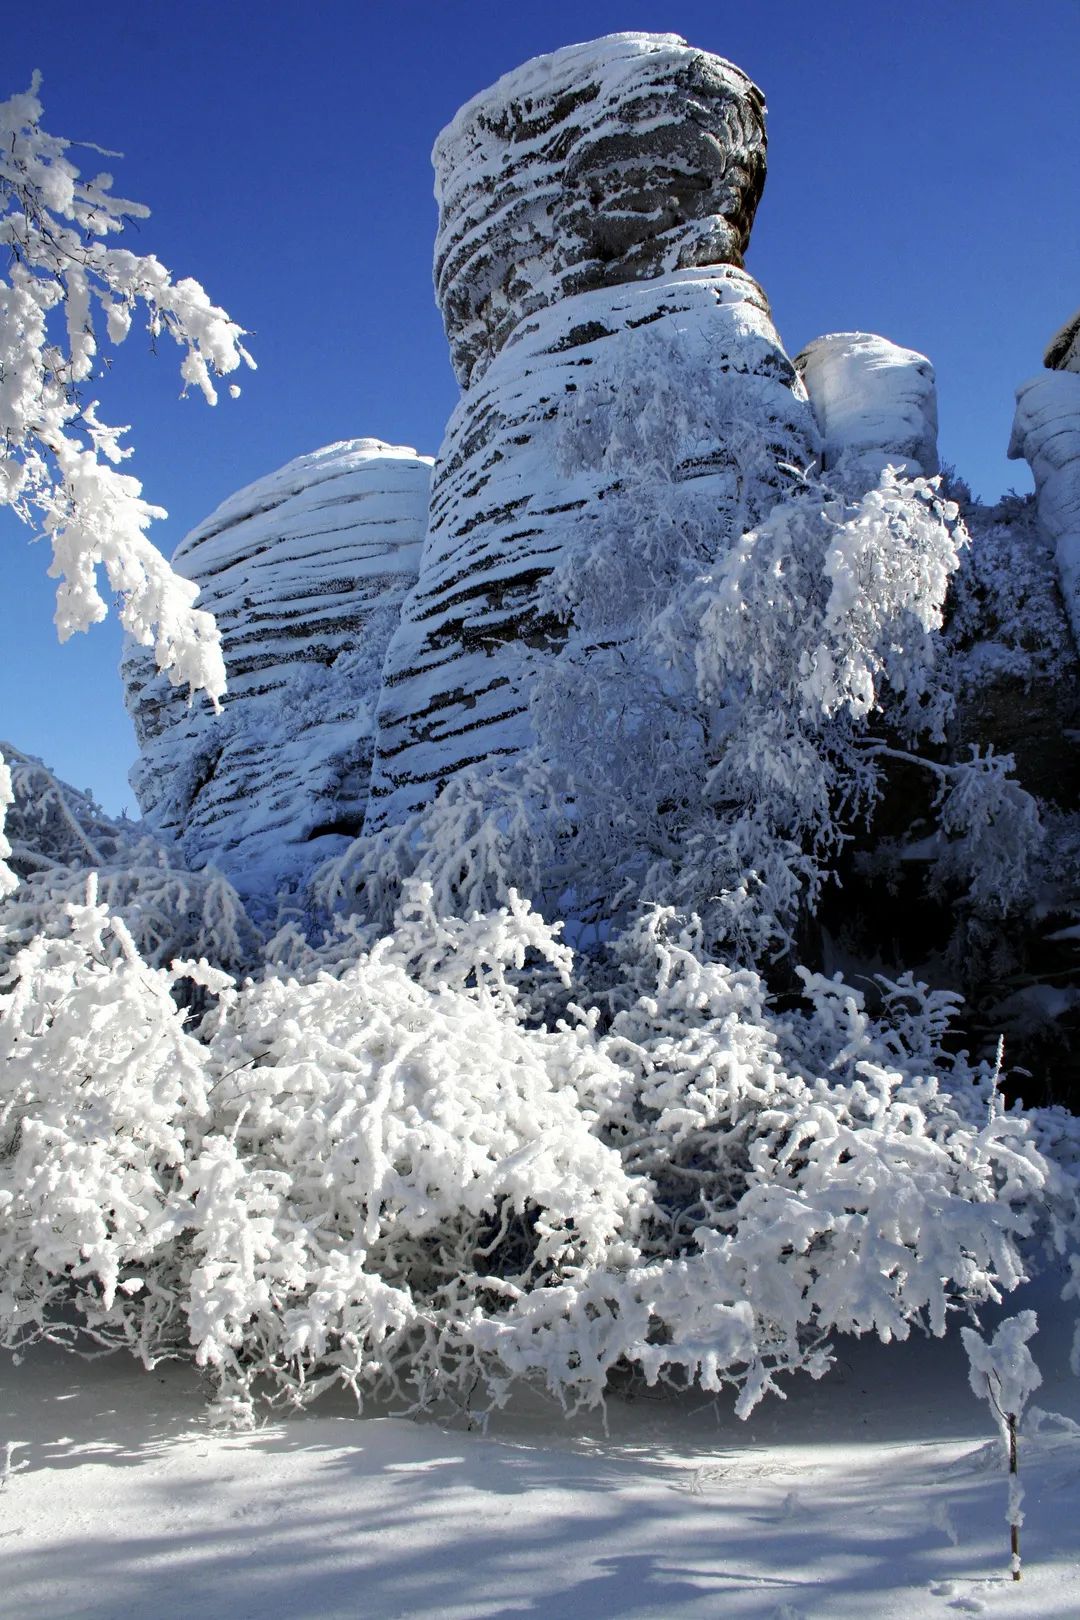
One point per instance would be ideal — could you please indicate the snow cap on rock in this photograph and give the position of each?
(1046, 433)
(876, 404)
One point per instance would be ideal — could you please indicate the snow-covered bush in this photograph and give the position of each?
(388, 1174)
(1003, 1372)
(488, 832)
(102, 1088)
(819, 1172)
(721, 715)
(719, 751)
(57, 836)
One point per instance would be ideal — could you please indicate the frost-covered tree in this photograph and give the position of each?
(59, 462)
(724, 715)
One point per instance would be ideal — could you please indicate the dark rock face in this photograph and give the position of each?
(615, 161)
(305, 571)
(1063, 350)
(594, 210)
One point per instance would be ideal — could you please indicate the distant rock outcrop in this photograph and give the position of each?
(594, 208)
(1046, 433)
(305, 571)
(875, 404)
(1063, 350)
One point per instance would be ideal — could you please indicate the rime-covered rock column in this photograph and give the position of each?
(1046, 433)
(594, 210)
(305, 571)
(875, 403)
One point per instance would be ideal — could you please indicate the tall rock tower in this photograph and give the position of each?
(594, 208)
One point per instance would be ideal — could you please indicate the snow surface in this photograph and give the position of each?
(1046, 433)
(305, 571)
(875, 403)
(877, 1494)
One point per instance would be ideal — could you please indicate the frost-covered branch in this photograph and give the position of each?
(58, 461)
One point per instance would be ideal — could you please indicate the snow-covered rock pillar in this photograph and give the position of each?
(875, 403)
(1046, 434)
(305, 571)
(594, 207)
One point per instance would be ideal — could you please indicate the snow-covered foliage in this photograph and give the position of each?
(59, 465)
(721, 714)
(661, 675)
(100, 1078)
(391, 1176)
(1002, 1370)
(59, 836)
(1004, 1373)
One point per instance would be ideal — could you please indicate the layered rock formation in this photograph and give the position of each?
(875, 404)
(594, 208)
(305, 571)
(1046, 433)
(617, 160)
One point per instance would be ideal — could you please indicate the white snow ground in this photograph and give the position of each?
(876, 1493)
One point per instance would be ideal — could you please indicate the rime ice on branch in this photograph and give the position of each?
(594, 209)
(62, 283)
(305, 571)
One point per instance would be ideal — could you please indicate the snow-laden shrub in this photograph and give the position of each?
(386, 1173)
(720, 722)
(57, 836)
(61, 284)
(102, 1096)
(813, 1173)
(397, 1158)
(487, 833)
(338, 1180)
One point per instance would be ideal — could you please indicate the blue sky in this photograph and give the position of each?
(923, 183)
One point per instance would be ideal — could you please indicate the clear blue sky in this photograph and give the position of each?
(924, 182)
